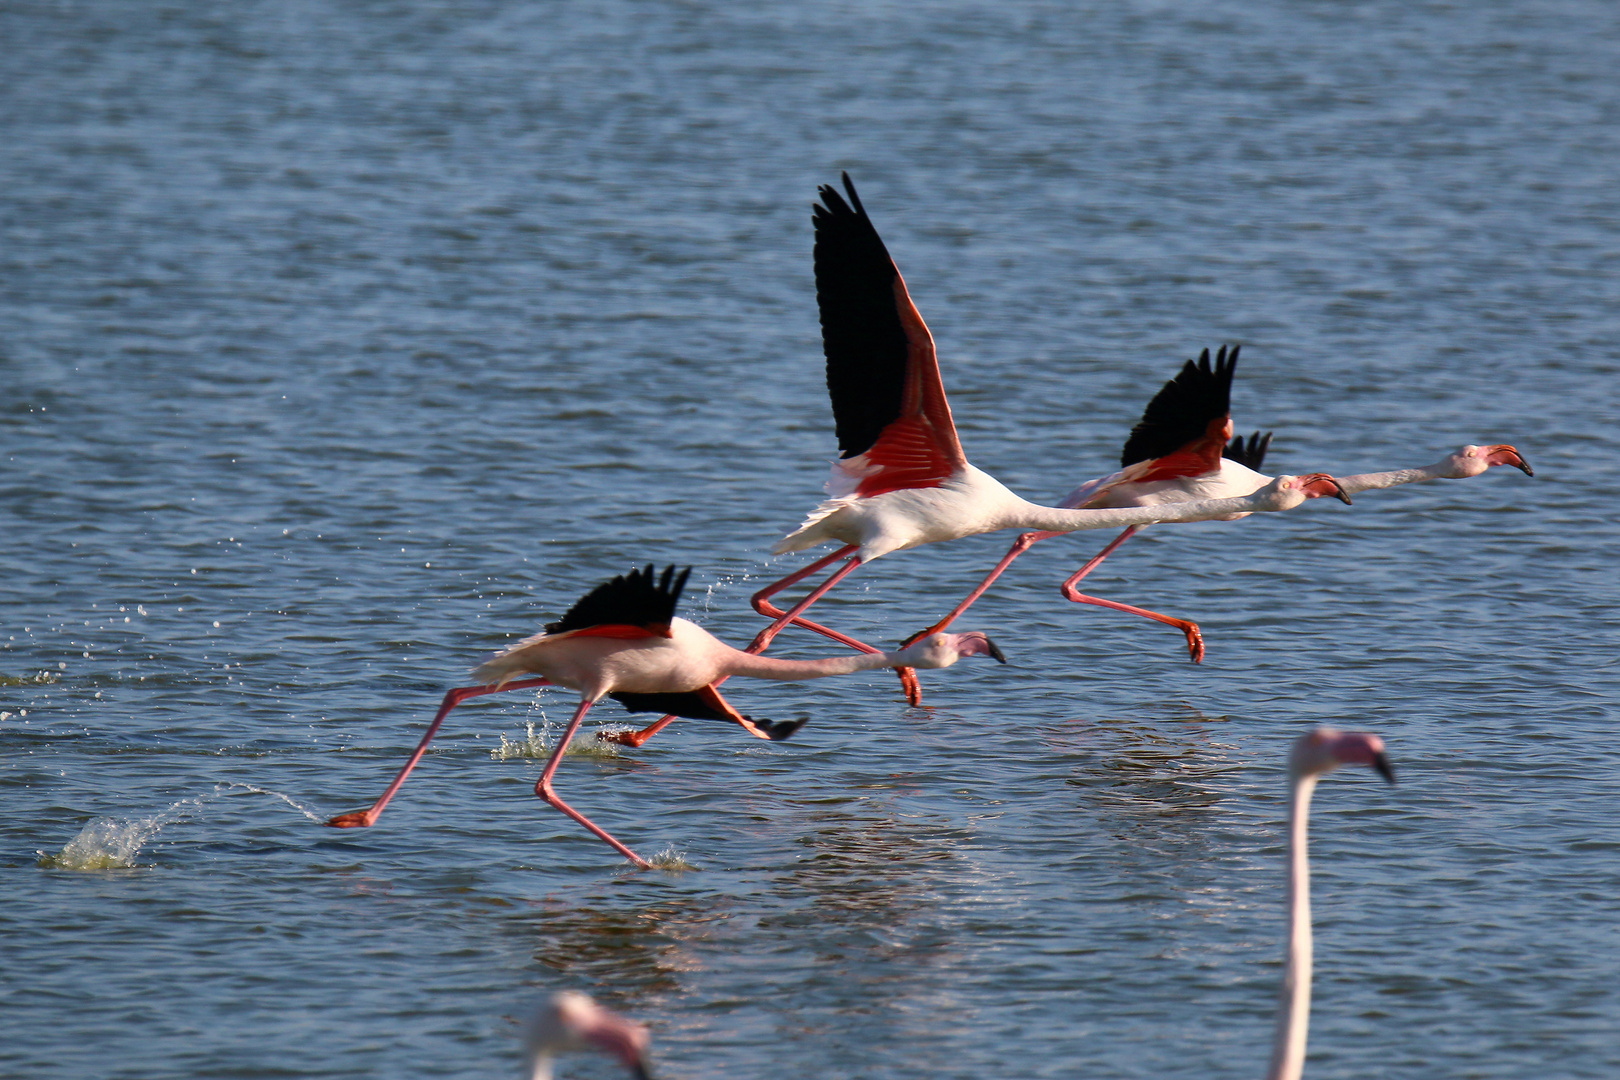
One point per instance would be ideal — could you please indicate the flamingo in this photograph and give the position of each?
(1178, 452)
(903, 479)
(622, 640)
(572, 1023)
(1311, 757)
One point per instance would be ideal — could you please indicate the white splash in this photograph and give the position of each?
(113, 843)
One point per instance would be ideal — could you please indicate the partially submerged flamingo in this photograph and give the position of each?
(1183, 450)
(622, 640)
(572, 1023)
(903, 479)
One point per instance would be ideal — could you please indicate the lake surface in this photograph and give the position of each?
(343, 343)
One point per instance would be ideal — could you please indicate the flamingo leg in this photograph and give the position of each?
(1022, 544)
(1195, 636)
(365, 818)
(544, 789)
(762, 641)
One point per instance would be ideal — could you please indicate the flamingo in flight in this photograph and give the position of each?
(1183, 449)
(572, 1023)
(622, 640)
(902, 479)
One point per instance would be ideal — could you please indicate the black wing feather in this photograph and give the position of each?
(694, 707)
(1251, 454)
(633, 599)
(861, 334)
(1181, 411)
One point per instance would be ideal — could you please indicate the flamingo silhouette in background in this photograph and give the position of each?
(1181, 450)
(622, 640)
(572, 1023)
(903, 479)
(1312, 756)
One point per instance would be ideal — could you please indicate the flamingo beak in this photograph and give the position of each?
(1320, 484)
(1507, 455)
(1381, 764)
(990, 647)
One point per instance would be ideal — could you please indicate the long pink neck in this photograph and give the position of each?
(1372, 481)
(1294, 1000)
(770, 667)
(1055, 519)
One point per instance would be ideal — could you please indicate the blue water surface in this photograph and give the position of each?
(345, 342)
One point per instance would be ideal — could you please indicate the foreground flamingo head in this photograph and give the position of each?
(572, 1022)
(1287, 492)
(1472, 460)
(1325, 749)
(943, 650)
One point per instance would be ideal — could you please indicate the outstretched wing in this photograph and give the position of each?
(706, 704)
(894, 424)
(1186, 425)
(1250, 455)
(630, 601)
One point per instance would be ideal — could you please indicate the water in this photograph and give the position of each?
(344, 343)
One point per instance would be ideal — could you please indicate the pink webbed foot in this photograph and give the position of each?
(624, 738)
(909, 683)
(1195, 642)
(360, 819)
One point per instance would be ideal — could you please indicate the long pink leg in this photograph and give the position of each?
(763, 639)
(1195, 636)
(544, 789)
(361, 819)
(1021, 545)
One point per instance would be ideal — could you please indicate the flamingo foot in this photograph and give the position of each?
(360, 819)
(624, 738)
(913, 688)
(1195, 643)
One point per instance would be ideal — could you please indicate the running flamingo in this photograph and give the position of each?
(1179, 452)
(903, 479)
(1313, 755)
(622, 640)
(572, 1023)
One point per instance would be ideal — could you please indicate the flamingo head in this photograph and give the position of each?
(571, 1021)
(943, 650)
(1288, 492)
(1325, 749)
(1472, 460)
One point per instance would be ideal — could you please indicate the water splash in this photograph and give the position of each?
(672, 860)
(42, 678)
(113, 843)
(289, 800)
(537, 743)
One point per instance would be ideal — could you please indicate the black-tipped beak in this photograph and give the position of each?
(1001, 657)
(1340, 494)
(1524, 467)
(640, 1071)
(1381, 763)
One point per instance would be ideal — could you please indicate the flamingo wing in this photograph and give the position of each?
(1184, 430)
(705, 703)
(629, 606)
(893, 421)
(1251, 454)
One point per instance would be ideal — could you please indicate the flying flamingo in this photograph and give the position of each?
(622, 640)
(903, 479)
(1179, 452)
(572, 1023)
(1313, 755)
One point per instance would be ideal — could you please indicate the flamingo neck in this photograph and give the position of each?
(1294, 1002)
(1030, 515)
(1371, 481)
(770, 667)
